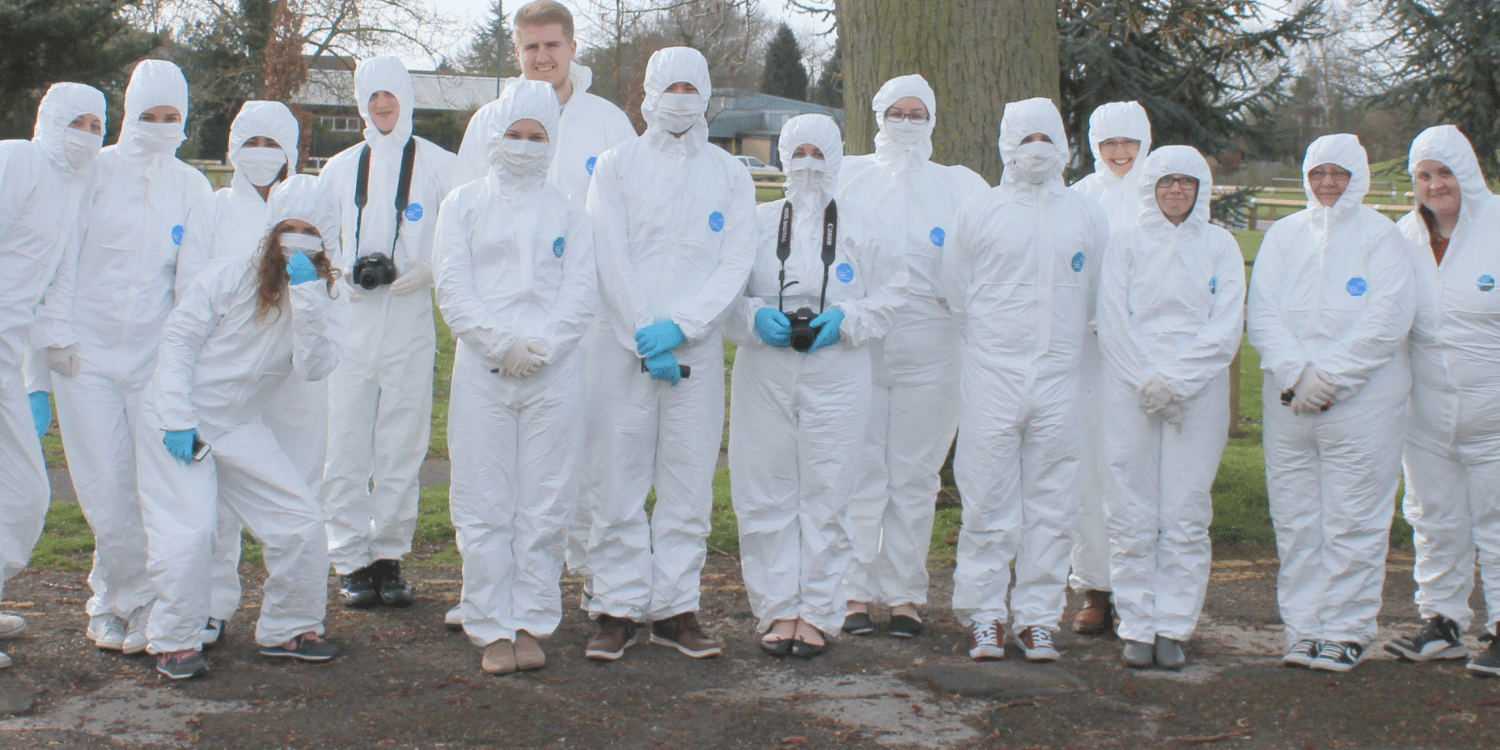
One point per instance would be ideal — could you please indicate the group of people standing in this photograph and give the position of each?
(260, 358)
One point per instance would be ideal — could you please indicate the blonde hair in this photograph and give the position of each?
(543, 12)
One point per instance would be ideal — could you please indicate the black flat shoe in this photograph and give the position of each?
(779, 647)
(858, 623)
(905, 627)
(806, 650)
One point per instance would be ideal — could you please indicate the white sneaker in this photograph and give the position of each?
(1037, 642)
(987, 641)
(107, 632)
(135, 631)
(213, 632)
(12, 626)
(4, 660)
(454, 619)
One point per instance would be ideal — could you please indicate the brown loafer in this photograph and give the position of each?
(1097, 616)
(528, 652)
(683, 633)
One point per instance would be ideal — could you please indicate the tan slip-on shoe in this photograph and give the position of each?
(499, 657)
(528, 652)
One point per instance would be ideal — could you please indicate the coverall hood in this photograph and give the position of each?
(1119, 120)
(153, 83)
(63, 103)
(821, 131)
(384, 73)
(1343, 150)
(304, 198)
(1037, 115)
(266, 120)
(887, 151)
(666, 67)
(1447, 145)
(524, 100)
(1173, 160)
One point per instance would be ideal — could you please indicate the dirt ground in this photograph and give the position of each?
(404, 681)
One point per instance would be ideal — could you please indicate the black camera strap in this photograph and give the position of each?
(784, 249)
(403, 191)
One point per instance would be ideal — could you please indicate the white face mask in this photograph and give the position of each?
(160, 137)
(81, 147)
(297, 242)
(522, 158)
(905, 132)
(806, 174)
(679, 112)
(260, 164)
(1036, 161)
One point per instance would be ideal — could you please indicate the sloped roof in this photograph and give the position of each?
(733, 112)
(434, 91)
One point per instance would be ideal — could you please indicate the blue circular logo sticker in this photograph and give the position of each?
(716, 221)
(1486, 283)
(177, 235)
(588, 164)
(557, 247)
(937, 236)
(1213, 285)
(1078, 261)
(844, 272)
(414, 212)
(1357, 287)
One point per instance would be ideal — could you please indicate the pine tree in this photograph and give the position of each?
(492, 52)
(784, 74)
(829, 90)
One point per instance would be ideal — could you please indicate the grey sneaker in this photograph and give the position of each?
(1439, 639)
(1138, 655)
(1486, 663)
(306, 647)
(1302, 653)
(1338, 656)
(12, 626)
(181, 665)
(1169, 653)
(107, 632)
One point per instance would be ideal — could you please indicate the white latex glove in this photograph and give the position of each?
(519, 361)
(1314, 390)
(416, 279)
(540, 347)
(1171, 414)
(1154, 394)
(63, 360)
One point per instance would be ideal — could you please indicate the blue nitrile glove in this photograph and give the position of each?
(180, 443)
(772, 326)
(828, 335)
(41, 412)
(658, 338)
(299, 269)
(664, 367)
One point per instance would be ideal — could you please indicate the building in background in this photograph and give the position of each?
(745, 123)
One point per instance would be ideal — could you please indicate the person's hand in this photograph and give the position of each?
(416, 279)
(519, 361)
(664, 367)
(1314, 391)
(41, 412)
(1154, 394)
(773, 327)
(300, 270)
(180, 442)
(661, 336)
(63, 360)
(828, 329)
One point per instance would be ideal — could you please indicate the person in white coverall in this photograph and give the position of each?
(240, 329)
(1171, 315)
(1020, 270)
(231, 224)
(41, 185)
(1120, 138)
(380, 397)
(675, 232)
(914, 406)
(517, 285)
(101, 322)
(801, 398)
(1452, 451)
(1331, 303)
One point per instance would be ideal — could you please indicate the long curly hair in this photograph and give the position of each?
(271, 277)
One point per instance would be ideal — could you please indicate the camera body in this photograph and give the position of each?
(373, 270)
(803, 333)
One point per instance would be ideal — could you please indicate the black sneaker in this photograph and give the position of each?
(181, 665)
(1440, 639)
(1302, 653)
(858, 623)
(1486, 663)
(394, 591)
(360, 589)
(1338, 656)
(307, 647)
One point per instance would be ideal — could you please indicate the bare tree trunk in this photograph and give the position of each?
(977, 54)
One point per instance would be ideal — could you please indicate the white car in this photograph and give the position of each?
(756, 166)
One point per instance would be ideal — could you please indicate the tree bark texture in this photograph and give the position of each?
(977, 54)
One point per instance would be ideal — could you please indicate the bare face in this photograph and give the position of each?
(261, 141)
(1437, 188)
(526, 130)
(161, 113)
(807, 149)
(908, 108)
(88, 124)
(1119, 154)
(545, 52)
(1175, 195)
(385, 110)
(1329, 181)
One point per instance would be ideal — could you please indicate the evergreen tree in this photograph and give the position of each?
(829, 90)
(784, 74)
(491, 52)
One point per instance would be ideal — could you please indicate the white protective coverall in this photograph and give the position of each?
(915, 366)
(675, 233)
(1171, 305)
(219, 370)
(232, 224)
(1020, 271)
(515, 262)
(798, 417)
(40, 190)
(1452, 454)
(1122, 205)
(380, 397)
(1332, 289)
(110, 299)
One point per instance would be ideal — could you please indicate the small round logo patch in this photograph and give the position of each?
(716, 221)
(414, 212)
(1357, 287)
(1078, 261)
(1213, 285)
(937, 236)
(844, 272)
(557, 247)
(177, 235)
(588, 164)
(1486, 283)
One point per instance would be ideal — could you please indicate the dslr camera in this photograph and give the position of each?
(373, 270)
(803, 334)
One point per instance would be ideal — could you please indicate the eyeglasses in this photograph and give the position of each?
(1114, 143)
(1181, 180)
(915, 118)
(1328, 173)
